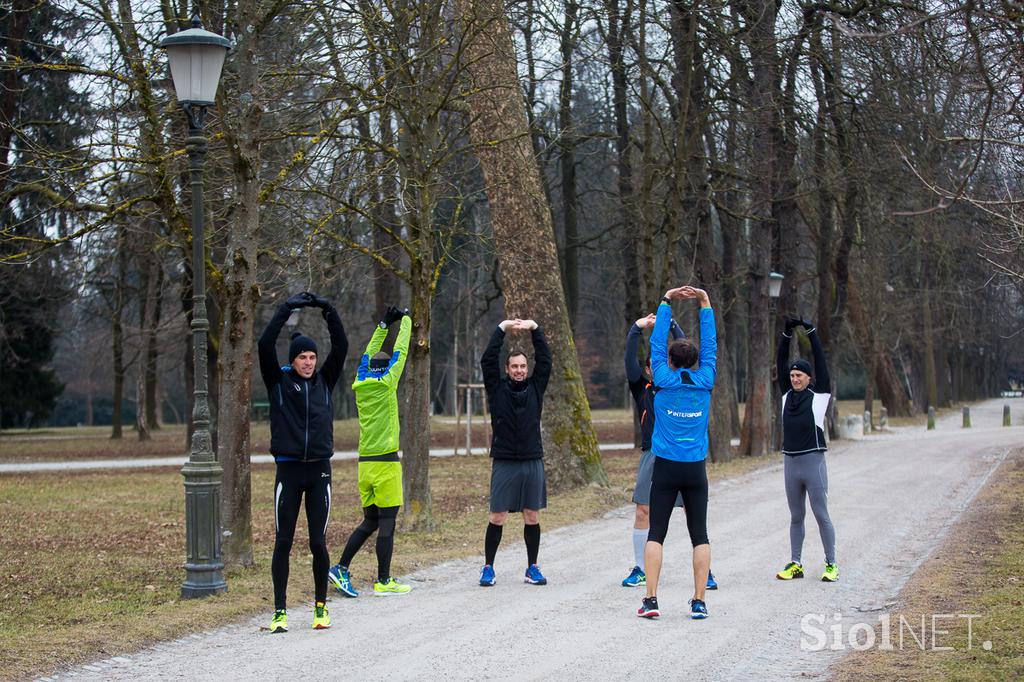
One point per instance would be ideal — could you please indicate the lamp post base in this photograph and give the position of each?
(204, 569)
(203, 580)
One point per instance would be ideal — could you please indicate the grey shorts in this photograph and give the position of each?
(642, 491)
(518, 484)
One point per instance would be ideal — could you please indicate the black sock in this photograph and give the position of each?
(491, 541)
(531, 534)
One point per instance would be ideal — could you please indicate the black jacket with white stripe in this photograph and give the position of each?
(803, 412)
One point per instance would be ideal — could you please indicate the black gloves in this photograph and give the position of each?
(792, 322)
(300, 300)
(308, 299)
(319, 301)
(393, 314)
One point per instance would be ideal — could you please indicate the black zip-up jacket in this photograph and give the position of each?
(516, 405)
(641, 388)
(803, 412)
(301, 414)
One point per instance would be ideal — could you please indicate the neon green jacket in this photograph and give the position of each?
(377, 393)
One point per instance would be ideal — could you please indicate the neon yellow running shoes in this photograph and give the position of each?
(279, 623)
(391, 587)
(321, 617)
(831, 573)
(791, 571)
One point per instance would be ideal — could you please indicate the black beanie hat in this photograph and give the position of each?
(300, 344)
(380, 361)
(802, 365)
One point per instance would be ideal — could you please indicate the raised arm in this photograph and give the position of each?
(633, 370)
(400, 356)
(489, 361)
(704, 376)
(663, 376)
(270, 368)
(782, 357)
(822, 379)
(335, 362)
(541, 359)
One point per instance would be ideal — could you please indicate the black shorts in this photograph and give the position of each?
(671, 478)
(518, 484)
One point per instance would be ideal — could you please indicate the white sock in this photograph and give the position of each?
(639, 541)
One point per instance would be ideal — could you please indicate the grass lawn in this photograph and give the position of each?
(92, 561)
(979, 570)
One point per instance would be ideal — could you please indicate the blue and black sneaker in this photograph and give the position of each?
(712, 583)
(534, 576)
(341, 580)
(649, 608)
(636, 578)
(487, 576)
(698, 609)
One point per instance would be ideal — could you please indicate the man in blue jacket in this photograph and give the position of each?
(641, 387)
(680, 443)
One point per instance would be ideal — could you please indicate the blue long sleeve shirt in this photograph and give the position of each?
(682, 400)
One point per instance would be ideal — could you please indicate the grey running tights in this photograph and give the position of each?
(807, 474)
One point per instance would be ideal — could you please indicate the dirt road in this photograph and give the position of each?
(891, 499)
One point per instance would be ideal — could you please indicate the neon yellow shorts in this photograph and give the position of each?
(380, 483)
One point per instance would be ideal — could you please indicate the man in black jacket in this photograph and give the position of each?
(518, 482)
(806, 392)
(302, 443)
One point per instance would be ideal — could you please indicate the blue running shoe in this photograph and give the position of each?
(698, 609)
(636, 578)
(341, 580)
(712, 583)
(487, 576)
(534, 577)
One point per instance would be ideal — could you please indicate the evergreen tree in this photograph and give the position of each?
(44, 117)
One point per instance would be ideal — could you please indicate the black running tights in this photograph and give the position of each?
(293, 480)
(669, 479)
(379, 519)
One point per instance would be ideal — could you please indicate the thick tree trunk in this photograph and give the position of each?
(148, 267)
(152, 346)
(418, 511)
(930, 380)
(240, 295)
(524, 236)
(688, 81)
(628, 220)
(756, 437)
(567, 164)
(387, 287)
(632, 305)
(117, 332)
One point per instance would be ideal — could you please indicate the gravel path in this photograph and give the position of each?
(892, 498)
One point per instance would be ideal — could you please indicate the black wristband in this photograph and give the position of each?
(666, 299)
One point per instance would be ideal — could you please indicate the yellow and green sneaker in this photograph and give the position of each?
(321, 618)
(831, 573)
(389, 588)
(791, 571)
(279, 623)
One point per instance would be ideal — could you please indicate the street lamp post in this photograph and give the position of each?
(196, 57)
